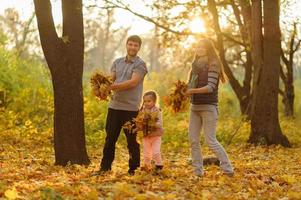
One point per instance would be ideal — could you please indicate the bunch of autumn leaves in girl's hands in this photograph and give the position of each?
(177, 100)
(145, 122)
(100, 85)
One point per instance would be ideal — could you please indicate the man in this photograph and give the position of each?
(128, 75)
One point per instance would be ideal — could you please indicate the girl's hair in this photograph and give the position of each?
(213, 57)
(151, 93)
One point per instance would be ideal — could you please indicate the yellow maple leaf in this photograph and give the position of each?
(11, 193)
(294, 194)
(166, 184)
(93, 194)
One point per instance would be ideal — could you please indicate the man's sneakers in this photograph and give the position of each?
(100, 172)
(131, 172)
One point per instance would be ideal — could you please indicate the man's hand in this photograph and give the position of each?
(113, 76)
(133, 82)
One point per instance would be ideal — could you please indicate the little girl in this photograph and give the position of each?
(152, 131)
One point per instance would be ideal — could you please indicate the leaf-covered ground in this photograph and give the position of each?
(27, 172)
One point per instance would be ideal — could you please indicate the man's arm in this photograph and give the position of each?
(113, 76)
(133, 82)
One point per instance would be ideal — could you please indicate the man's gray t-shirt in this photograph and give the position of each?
(129, 99)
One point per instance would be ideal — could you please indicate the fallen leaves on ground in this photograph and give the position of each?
(27, 172)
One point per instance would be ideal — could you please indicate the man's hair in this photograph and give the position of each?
(134, 38)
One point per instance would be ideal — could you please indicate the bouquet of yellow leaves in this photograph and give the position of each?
(100, 85)
(146, 121)
(177, 100)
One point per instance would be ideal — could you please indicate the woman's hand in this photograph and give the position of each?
(189, 92)
(201, 90)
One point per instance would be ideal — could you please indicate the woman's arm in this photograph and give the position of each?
(201, 90)
(210, 87)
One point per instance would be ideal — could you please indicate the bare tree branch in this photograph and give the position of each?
(297, 46)
(282, 74)
(146, 18)
(226, 35)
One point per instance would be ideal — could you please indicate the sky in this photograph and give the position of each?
(139, 26)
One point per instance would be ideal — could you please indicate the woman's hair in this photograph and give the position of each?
(151, 93)
(213, 57)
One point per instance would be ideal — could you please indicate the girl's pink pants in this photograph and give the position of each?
(151, 150)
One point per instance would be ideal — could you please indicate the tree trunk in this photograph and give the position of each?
(257, 46)
(288, 100)
(242, 93)
(2, 99)
(64, 57)
(288, 77)
(288, 95)
(265, 126)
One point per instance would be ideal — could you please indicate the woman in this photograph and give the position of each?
(206, 72)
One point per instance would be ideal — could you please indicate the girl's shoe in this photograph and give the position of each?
(158, 169)
(145, 168)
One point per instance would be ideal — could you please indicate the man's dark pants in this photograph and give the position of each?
(114, 123)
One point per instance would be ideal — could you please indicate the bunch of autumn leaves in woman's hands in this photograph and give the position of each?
(101, 85)
(177, 100)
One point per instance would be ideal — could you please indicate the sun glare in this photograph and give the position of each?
(197, 26)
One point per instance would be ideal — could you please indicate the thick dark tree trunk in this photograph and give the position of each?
(69, 138)
(265, 126)
(64, 57)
